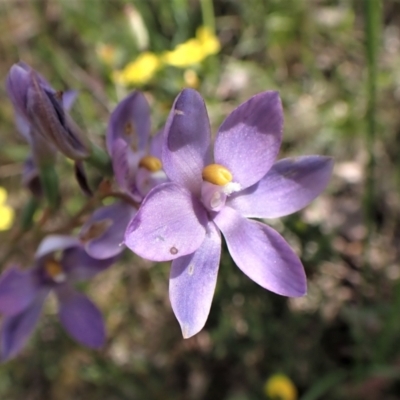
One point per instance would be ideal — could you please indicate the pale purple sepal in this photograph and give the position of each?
(16, 84)
(81, 318)
(68, 99)
(262, 254)
(53, 243)
(156, 143)
(18, 289)
(130, 121)
(17, 329)
(187, 141)
(289, 185)
(192, 283)
(169, 224)
(79, 266)
(249, 139)
(109, 243)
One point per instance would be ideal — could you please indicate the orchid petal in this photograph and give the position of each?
(17, 83)
(17, 329)
(156, 144)
(248, 140)
(132, 112)
(124, 173)
(262, 254)
(108, 242)
(53, 243)
(68, 99)
(81, 318)
(290, 185)
(79, 266)
(18, 290)
(23, 127)
(192, 283)
(169, 224)
(187, 141)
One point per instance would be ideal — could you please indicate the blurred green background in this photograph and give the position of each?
(336, 65)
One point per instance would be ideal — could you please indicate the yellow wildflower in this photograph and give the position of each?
(6, 212)
(140, 71)
(280, 387)
(191, 78)
(106, 53)
(194, 50)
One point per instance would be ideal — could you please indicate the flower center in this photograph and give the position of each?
(95, 230)
(217, 174)
(151, 163)
(55, 271)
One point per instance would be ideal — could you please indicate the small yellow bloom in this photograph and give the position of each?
(6, 212)
(140, 71)
(106, 53)
(280, 387)
(191, 78)
(194, 50)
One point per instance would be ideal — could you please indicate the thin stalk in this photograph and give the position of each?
(372, 28)
(207, 11)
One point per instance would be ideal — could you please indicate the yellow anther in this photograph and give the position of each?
(151, 163)
(53, 269)
(217, 174)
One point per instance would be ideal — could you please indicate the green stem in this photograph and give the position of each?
(372, 25)
(99, 159)
(49, 181)
(207, 11)
(28, 212)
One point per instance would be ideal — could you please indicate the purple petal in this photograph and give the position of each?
(23, 127)
(248, 141)
(107, 226)
(53, 243)
(79, 266)
(68, 99)
(290, 185)
(156, 143)
(17, 84)
(81, 318)
(131, 121)
(262, 254)
(18, 289)
(17, 329)
(124, 174)
(187, 141)
(192, 283)
(169, 224)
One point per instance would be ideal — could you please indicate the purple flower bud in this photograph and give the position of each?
(41, 112)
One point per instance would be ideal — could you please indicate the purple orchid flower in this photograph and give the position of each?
(22, 294)
(41, 116)
(137, 167)
(181, 220)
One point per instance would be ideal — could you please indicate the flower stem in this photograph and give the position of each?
(207, 11)
(99, 159)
